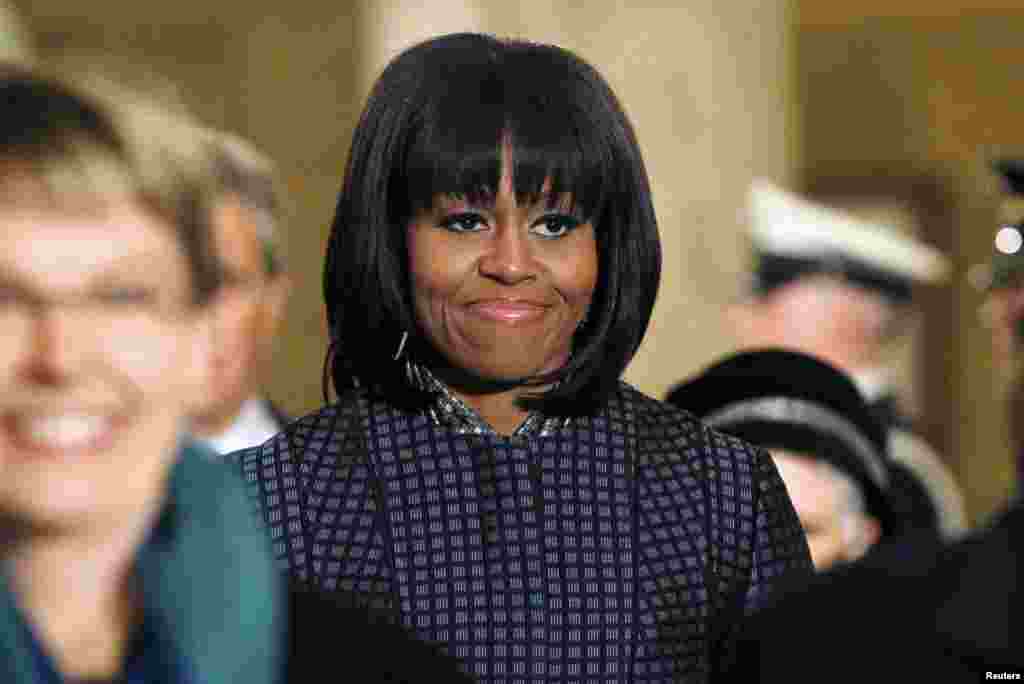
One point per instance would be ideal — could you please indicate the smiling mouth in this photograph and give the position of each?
(59, 435)
(508, 311)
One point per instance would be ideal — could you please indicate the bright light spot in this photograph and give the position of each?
(1009, 240)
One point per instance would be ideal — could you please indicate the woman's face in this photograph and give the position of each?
(500, 289)
(101, 358)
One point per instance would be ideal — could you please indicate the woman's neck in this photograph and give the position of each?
(76, 589)
(500, 409)
(496, 402)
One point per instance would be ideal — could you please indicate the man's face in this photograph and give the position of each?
(247, 314)
(1003, 313)
(101, 355)
(819, 315)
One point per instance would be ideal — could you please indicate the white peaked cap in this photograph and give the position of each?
(787, 225)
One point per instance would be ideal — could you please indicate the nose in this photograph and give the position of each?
(53, 351)
(509, 259)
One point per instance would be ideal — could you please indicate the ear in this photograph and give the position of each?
(275, 301)
(223, 310)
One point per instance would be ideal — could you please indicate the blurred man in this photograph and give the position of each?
(251, 303)
(828, 446)
(839, 289)
(126, 555)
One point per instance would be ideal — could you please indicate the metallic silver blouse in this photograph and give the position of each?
(450, 411)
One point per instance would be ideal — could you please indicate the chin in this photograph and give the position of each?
(42, 513)
(65, 495)
(511, 376)
(516, 370)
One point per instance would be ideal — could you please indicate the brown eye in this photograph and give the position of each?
(553, 226)
(464, 223)
(125, 296)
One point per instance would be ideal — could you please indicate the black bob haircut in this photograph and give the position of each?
(437, 122)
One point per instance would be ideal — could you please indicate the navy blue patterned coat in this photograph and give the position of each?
(622, 547)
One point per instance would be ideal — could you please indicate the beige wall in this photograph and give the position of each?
(15, 43)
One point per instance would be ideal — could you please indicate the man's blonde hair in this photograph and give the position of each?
(79, 143)
(250, 175)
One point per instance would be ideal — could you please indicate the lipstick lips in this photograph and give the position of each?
(508, 310)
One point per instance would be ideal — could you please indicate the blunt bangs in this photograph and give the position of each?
(445, 119)
(533, 103)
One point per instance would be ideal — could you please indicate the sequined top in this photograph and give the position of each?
(450, 411)
(624, 546)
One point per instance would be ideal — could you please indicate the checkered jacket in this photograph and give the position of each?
(624, 547)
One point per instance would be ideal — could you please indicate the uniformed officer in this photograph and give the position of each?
(839, 288)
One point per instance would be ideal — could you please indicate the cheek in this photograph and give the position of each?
(421, 268)
(576, 273)
(13, 343)
(437, 270)
(240, 333)
(162, 362)
(144, 352)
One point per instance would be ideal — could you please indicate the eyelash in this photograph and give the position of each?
(106, 296)
(455, 222)
(128, 295)
(561, 222)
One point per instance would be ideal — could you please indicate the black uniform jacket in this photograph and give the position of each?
(912, 610)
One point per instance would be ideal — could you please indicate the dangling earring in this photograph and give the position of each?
(401, 346)
(583, 319)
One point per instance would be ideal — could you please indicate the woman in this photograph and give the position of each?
(827, 444)
(484, 475)
(127, 555)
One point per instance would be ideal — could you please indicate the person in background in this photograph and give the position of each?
(824, 439)
(1002, 283)
(126, 554)
(250, 304)
(934, 611)
(484, 476)
(837, 288)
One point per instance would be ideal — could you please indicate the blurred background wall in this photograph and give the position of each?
(898, 104)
